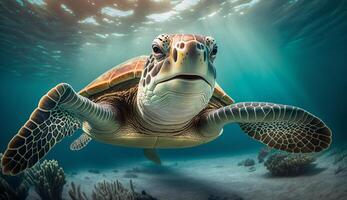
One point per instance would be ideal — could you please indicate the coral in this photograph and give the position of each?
(106, 190)
(8, 192)
(263, 153)
(284, 164)
(144, 196)
(76, 194)
(7, 188)
(247, 163)
(109, 191)
(48, 179)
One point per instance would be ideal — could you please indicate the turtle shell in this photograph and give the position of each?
(128, 74)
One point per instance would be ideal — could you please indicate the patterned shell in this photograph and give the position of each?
(129, 70)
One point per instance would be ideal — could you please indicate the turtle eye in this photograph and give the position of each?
(214, 51)
(156, 49)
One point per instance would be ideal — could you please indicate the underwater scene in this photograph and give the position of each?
(173, 100)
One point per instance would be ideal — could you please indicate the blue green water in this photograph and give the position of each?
(290, 52)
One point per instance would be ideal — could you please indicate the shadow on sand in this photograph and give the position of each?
(171, 178)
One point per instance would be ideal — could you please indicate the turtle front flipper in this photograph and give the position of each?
(60, 112)
(281, 127)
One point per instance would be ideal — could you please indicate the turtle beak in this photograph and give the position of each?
(186, 77)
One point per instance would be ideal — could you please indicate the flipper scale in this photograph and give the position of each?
(283, 127)
(59, 113)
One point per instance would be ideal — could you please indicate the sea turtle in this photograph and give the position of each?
(169, 99)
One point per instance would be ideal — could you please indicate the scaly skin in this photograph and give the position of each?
(178, 80)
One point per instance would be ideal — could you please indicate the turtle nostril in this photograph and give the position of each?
(182, 45)
(200, 46)
(205, 56)
(175, 54)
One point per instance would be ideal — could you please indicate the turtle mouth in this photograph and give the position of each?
(186, 77)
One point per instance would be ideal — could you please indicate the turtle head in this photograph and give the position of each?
(179, 76)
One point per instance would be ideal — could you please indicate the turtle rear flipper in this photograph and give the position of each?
(283, 127)
(59, 113)
(152, 155)
(80, 142)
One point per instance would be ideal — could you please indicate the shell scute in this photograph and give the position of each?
(220, 94)
(125, 71)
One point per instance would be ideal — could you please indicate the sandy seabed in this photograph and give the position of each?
(220, 176)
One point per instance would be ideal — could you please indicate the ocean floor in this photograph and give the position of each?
(221, 176)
